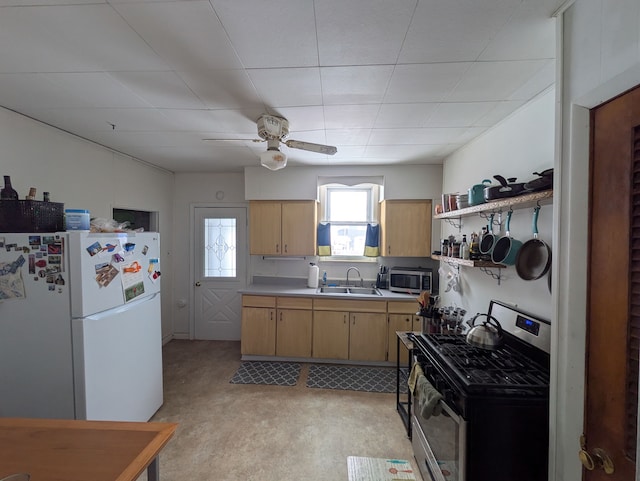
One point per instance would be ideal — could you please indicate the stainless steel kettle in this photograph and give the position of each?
(487, 335)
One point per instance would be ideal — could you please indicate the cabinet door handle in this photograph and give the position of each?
(344, 319)
(285, 248)
(281, 317)
(389, 250)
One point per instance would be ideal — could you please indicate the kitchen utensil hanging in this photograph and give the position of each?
(506, 247)
(534, 257)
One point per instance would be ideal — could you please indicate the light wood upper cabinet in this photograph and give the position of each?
(283, 227)
(406, 228)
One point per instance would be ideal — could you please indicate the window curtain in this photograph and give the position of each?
(372, 241)
(324, 239)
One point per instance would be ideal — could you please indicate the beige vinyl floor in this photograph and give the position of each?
(239, 432)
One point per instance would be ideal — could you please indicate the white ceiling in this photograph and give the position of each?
(386, 81)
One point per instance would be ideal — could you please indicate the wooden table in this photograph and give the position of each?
(70, 450)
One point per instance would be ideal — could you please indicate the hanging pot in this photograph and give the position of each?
(534, 257)
(506, 248)
(489, 239)
(487, 335)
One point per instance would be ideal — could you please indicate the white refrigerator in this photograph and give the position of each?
(80, 328)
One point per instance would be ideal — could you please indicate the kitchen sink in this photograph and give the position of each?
(333, 290)
(355, 291)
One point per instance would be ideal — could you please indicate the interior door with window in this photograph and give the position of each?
(220, 270)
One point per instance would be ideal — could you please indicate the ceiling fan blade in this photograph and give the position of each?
(310, 146)
(233, 140)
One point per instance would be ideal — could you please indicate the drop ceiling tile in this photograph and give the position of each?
(233, 122)
(348, 152)
(80, 38)
(423, 136)
(100, 90)
(303, 118)
(27, 92)
(288, 87)
(355, 85)
(459, 114)
(493, 81)
(348, 137)
(350, 116)
(453, 31)
(160, 89)
(223, 89)
(396, 153)
(424, 83)
(529, 34)
(187, 35)
(273, 34)
(81, 121)
(404, 115)
(362, 32)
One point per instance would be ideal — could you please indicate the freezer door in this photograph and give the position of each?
(110, 270)
(118, 362)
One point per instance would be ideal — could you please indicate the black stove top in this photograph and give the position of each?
(502, 371)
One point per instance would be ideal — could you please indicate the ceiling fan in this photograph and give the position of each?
(275, 130)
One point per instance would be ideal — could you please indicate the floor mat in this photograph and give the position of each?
(379, 469)
(274, 373)
(352, 378)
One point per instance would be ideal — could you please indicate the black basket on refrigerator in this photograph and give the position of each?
(31, 216)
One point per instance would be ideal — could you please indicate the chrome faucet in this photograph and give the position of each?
(359, 275)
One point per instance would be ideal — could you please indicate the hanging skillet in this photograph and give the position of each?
(534, 257)
(488, 239)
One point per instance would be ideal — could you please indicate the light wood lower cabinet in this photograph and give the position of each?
(294, 327)
(367, 336)
(325, 328)
(331, 335)
(402, 317)
(258, 329)
(367, 326)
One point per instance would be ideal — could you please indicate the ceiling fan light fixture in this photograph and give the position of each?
(273, 159)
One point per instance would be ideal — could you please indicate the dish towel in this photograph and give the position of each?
(428, 398)
(416, 371)
(324, 239)
(371, 242)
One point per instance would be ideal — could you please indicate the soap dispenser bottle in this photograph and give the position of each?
(314, 272)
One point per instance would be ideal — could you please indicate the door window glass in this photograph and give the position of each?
(220, 247)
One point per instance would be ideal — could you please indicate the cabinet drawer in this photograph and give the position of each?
(403, 307)
(294, 302)
(349, 305)
(258, 301)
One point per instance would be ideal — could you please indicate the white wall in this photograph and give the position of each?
(517, 147)
(601, 52)
(83, 175)
(195, 189)
(301, 183)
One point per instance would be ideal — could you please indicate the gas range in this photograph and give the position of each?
(493, 402)
(504, 371)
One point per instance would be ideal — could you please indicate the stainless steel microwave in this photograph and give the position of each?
(410, 280)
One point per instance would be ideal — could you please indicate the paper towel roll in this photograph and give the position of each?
(314, 272)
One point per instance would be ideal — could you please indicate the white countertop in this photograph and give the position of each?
(279, 289)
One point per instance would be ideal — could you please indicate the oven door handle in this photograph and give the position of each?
(448, 412)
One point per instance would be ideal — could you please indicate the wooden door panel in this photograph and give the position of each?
(613, 301)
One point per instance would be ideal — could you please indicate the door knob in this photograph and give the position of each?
(198, 284)
(598, 458)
